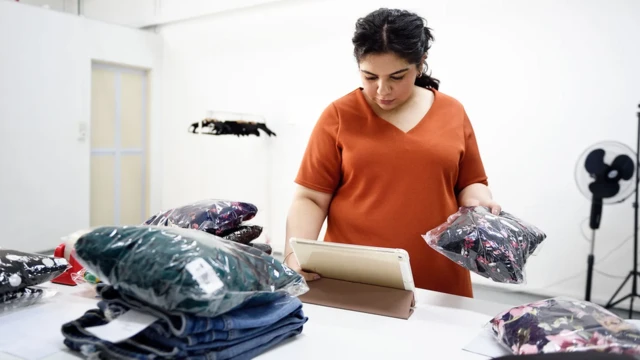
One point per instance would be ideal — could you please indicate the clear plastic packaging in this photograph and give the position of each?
(84, 277)
(563, 324)
(22, 298)
(243, 234)
(185, 270)
(493, 246)
(266, 248)
(213, 216)
(19, 270)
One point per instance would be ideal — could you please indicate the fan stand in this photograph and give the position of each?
(633, 274)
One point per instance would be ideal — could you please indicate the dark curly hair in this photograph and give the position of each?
(395, 31)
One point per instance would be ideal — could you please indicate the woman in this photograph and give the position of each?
(392, 159)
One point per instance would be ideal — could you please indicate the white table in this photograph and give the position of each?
(440, 326)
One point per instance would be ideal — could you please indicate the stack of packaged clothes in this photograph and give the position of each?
(20, 275)
(223, 218)
(211, 298)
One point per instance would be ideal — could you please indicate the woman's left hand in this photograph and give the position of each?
(493, 206)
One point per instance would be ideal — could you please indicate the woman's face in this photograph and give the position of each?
(387, 79)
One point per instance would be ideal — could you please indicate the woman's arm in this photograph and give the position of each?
(306, 215)
(478, 195)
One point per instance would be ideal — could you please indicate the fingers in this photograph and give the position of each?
(310, 276)
(496, 209)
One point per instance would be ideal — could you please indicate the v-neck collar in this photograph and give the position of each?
(376, 117)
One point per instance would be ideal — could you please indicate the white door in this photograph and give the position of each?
(119, 156)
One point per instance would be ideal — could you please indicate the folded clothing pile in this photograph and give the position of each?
(21, 272)
(213, 298)
(493, 246)
(223, 218)
(243, 333)
(561, 324)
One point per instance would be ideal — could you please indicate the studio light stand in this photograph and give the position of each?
(633, 274)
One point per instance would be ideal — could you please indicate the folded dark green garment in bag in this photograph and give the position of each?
(185, 270)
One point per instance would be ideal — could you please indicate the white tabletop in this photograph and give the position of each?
(440, 326)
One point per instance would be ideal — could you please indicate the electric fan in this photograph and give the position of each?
(604, 175)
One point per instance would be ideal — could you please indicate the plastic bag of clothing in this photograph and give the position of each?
(493, 246)
(19, 270)
(213, 216)
(185, 270)
(22, 298)
(243, 234)
(564, 325)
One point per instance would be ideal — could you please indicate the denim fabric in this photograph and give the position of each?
(181, 324)
(242, 333)
(79, 339)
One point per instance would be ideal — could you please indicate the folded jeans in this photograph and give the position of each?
(185, 324)
(79, 339)
(242, 333)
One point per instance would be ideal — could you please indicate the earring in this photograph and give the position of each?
(420, 74)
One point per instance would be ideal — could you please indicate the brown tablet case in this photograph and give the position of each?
(364, 298)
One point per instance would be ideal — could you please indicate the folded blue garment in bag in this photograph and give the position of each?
(179, 324)
(240, 334)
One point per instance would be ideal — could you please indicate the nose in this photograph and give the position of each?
(384, 88)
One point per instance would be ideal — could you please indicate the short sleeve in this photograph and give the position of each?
(321, 164)
(471, 169)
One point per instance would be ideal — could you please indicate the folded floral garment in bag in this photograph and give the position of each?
(493, 246)
(240, 334)
(243, 234)
(19, 270)
(564, 325)
(185, 270)
(213, 216)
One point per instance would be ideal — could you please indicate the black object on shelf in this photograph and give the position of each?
(633, 274)
(239, 128)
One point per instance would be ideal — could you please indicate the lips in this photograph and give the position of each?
(385, 102)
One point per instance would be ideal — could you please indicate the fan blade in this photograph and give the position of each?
(604, 190)
(595, 162)
(624, 165)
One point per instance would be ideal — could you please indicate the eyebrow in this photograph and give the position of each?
(393, 73)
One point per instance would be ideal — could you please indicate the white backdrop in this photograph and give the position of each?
(541, 80)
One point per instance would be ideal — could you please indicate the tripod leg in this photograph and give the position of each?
(621, 300)
(631, 308)
(611, 303)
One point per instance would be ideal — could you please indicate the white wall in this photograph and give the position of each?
(541, 80)
(68, 6)
(45, 93)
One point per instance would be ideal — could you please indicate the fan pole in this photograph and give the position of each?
(633, 274)
(590, 261)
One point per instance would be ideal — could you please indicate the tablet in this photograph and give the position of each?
(362, 264)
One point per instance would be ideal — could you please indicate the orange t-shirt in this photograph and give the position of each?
(391, 187)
